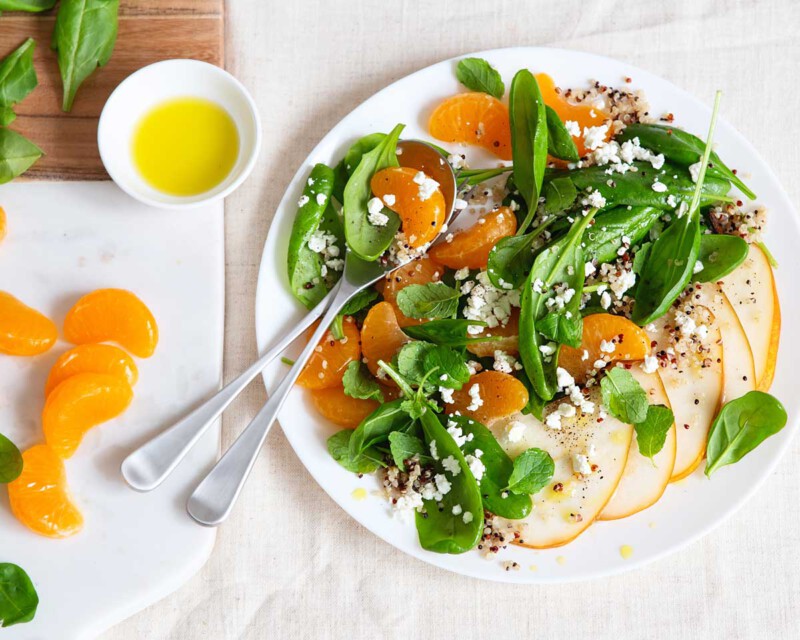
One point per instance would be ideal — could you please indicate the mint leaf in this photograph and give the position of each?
(10, 461)
(533, 469)
(359, 383)
(411, 361)
(359, 302)
(478, 75)
(448, 366)
(623, 396)
(432, 301)
(339, 448)
(404, 446)
(652, 433)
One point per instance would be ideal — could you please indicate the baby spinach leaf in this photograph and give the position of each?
(681, 148)
(359, 302)
(340, 449)
(478, 75)
(511, 259)
(17, 154)
(359, 383)
(361, 146)
(741, 425)
(340, 178)
(377, 426)
(433, 300)
(498, 468)
(559, 194)
(31, 6)
(448, 365)
(640, 257)
(476, 176)
(365, 239)
(528, 140)
(719, 254)
(439, 528)
(603, 239)
(559, 142)
(651, 434)
(10, 461)
(623, 396)
(18, 597)
(403, 446)
(533, 469)
(450, 332)
(84, 37)
(561, 329)
(17, 79)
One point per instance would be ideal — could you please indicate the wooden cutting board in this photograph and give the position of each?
(149, 30)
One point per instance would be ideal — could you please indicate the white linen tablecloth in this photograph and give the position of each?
(290, 563)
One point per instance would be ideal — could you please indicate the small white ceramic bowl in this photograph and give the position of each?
(152, 85)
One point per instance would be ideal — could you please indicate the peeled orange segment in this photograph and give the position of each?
(340, 408)
(329, 361)
(381, 338)
(421, 209)
(23, 330)
(586, 115)
(92, 358)
(113, 315)
(470, 248)
(508, 342)
(39, 497)
(420, 271)
(630, 343)
(473, 118)
(3, 227)
(489, 396)
(79, 403)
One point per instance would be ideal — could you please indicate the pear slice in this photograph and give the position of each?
(571, 501)
(754, 297)
(644, 480)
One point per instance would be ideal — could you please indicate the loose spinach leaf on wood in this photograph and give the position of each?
(478, 75)
(84, 37)
(719, 255)
(18, 597)
(623, 396)
(651, 434)
(17, 154)
(434, 300)
(559, 142)
(31, 6)
(17, 79)
(741, 426)
(10, 461)
(533, 469)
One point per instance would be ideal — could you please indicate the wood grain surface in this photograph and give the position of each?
(149, 31)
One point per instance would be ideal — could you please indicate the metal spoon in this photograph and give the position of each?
(149, 465)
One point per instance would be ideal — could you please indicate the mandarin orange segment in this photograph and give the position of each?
(508, 342)
(470, 248)
(92, 358)
(23, 330)
(113, 315)
(415, 198)
(629, 341)
(473, 118)
(381, 338)
(3, 225)
(584, 114)
(40, 499)
(79, 403)
(327, 364)
(489, 396)
(421, 271)
(340, 408)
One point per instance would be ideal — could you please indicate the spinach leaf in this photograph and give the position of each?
(377, 426)
(559, 142)
(528, 140)
(340, 449)
(403, 446)
(17, 79)
(533, 469)
(741, 426)
(535, 406)
(651, 434)
(340, 178)
(681, 148)
(358, 302)
(623, 396)
(434, 300)
(17, 154)
(561, 329)
(439, 528)
(476, 176)
(603, 239)
(719, 254)
(559, 194)
(361, 146)
(497, 471)
(448, 365)
(365, 239)
(640, 257)
(84, 37)
(31, 6)
(560, 264)
(18, 597)
(305, 265)
(511, 259)
(10, 461)
(359, 383)
(450, 332)
(478, 75)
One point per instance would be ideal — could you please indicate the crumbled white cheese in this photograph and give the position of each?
(650, 364)
(475, 395)
(580, 464)
(566, 410)
(486, 303)
(573, 128)
(443, 485)
(427, 186)
(447, 395)
(451, 464)
(694, 170)
(589, 269)
(303, 201)
(389, 199)
(563, 378)
(659, 187)
(457, 161)
(608, 346)
(462, 274)
(516, 431)
(459, 204)
(457, 510)
(593, 137)
(321, 199)
(505, 363)
(553, 421)
(456, 433)
(594, 199)
(467, 517)
(698, 267)
(476, 467)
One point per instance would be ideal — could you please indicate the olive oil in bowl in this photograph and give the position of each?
(185, 146)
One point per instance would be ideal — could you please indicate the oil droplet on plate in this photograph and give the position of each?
(533, 567)
(561, 560)
(359, 494)
(652, 525)
(626, 551)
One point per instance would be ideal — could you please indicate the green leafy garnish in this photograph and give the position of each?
(411, 361)
(31, 6)
(376, 427)
(623, 396)
(404, 446)
(511, 259)
(651, 433)
(451, 332)
(10, 461)
(17, 79)
(360, 147)
(478, 75)
(448, 366)
(719, 255)
(434, 300)
(339, 447)
(559, 142)
(359, 383)
(559, 194)
(17, 154)
(533, 469)
(18, 597)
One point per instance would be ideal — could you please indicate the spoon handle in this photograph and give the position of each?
(212, 500)
(150, 464)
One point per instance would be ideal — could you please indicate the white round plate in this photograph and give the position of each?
(689, 508)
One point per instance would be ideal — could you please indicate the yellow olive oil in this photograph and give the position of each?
(185, 146)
